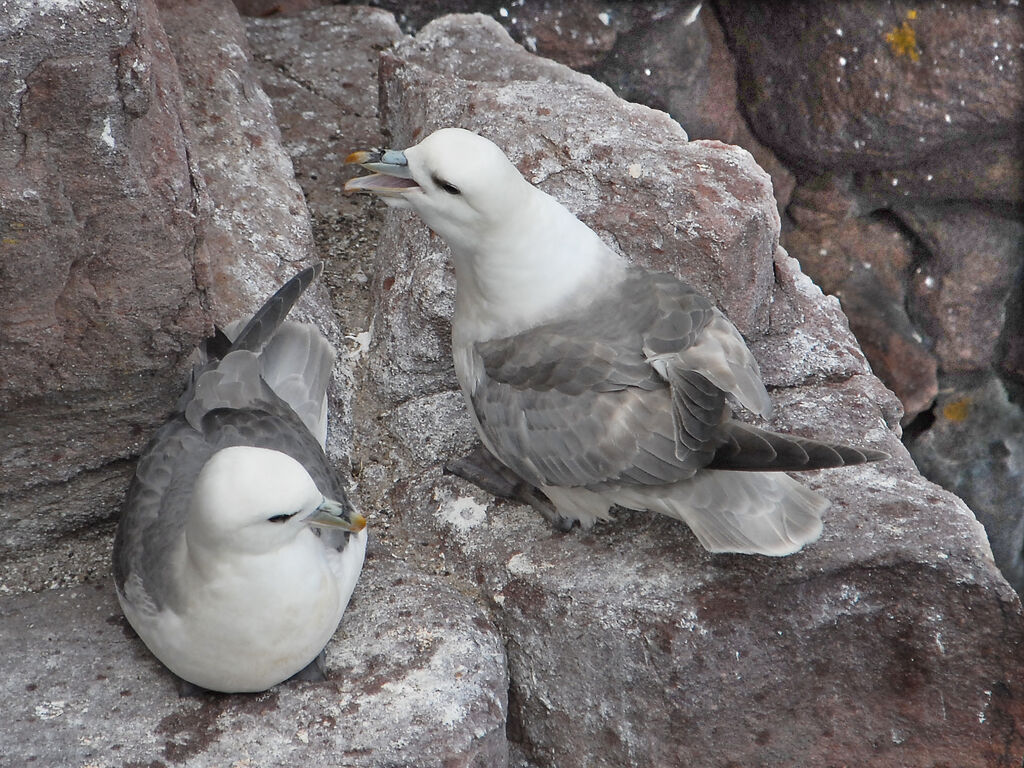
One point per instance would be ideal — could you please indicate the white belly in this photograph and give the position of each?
(253, 621)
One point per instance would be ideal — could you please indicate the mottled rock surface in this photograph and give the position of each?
(416, 677)
(629, 645)
(98, 257)
(986, 473)
(875, 86)
(892, 641)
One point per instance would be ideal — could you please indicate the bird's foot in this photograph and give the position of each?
(315, 671)
(482, 469)
(187, 690)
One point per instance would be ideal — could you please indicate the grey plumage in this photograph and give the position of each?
(596, 382)
(261, 386)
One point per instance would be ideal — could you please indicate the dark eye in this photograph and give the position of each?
(279, 518)
(451, 189)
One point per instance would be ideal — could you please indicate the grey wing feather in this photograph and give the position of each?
(633, 390)
(229, 402)
(578, 403)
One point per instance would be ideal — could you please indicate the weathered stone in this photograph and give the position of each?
(973, 450)
(991, 172)
(154, 187)
(678, 61)
(866, 262)
(99, 268)
(630, 645)
(862, 85)
(579, 35)
(319, 69)
(258, 219)
(270, 8)
(959, 294)
(416, 677)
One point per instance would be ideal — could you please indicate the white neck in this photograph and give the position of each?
(528, 271)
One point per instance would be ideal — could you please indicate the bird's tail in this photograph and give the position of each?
(264, 324)
(748, 448)
(297, 365)
(295, 360)
(755, 513)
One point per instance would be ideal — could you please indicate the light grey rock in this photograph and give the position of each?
(629, 644)
(416, 679)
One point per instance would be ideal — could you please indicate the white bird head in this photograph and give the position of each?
(256, 500)
(520, 255)
(459, 183)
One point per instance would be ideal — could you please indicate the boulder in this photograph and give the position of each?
(960, 294)
(867, 262)
(972, 449)
(102, 270)
(416, 677)
(146, 198)
(865, 87)
(629, 644)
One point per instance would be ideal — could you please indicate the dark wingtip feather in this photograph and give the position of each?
(749, 448)
(259, 330)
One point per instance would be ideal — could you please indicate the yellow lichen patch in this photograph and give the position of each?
(957, 410)
(903, 39)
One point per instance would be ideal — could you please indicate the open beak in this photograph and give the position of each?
(391, 175)
(332, 514)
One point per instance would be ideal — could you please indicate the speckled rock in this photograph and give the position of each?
(628, 644)
(867, 262)
(871, 86)
(973, 448)
(131, 226)
(416, 679)
(98, 257)
(960, 293)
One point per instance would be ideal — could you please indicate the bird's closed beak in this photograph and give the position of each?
(332, 514)
(391, 174)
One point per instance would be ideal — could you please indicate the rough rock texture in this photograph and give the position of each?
(416, 678)
(630, 645)
(960, 295)
(880, 85)
(143, 175)
(130, 227)
(867, 262)
(988, 473)
(98, 252)
(418, 674)
(910, 117)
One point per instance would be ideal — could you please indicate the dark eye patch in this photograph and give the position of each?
(279, 518)
(451, 189)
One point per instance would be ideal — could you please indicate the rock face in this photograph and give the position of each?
(986, 474)
(145, 169)
(921, 80)
(98, 313)
(410, 653)
(629, 645)
(130, 227)
(418, 675)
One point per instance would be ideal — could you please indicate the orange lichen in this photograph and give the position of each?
(957, 410)
(903, 39)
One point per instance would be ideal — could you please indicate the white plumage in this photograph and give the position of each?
(596, 381)
(237, 549)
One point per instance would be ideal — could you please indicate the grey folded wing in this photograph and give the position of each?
(628, 391)
(156, 507)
